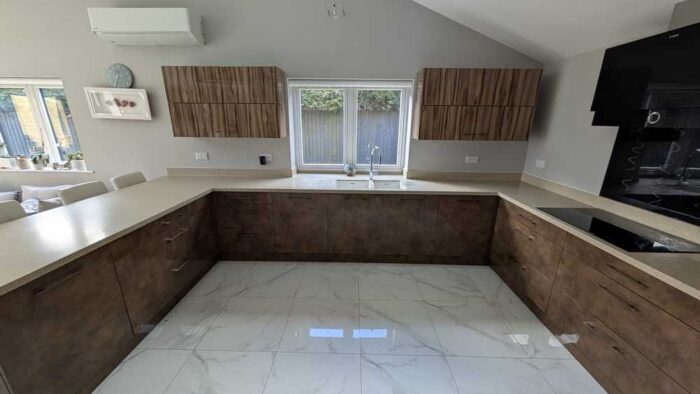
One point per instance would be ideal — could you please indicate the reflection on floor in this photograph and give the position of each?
(349, 328)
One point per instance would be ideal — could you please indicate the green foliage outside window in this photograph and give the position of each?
(332, 100)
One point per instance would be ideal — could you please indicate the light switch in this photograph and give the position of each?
(471, 159)
(201, 156)
(539, 163)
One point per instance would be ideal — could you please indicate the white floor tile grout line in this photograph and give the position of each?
(178, 372)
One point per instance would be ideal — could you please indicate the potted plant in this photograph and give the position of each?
(23, 163)
(77, 161)
(40, 160)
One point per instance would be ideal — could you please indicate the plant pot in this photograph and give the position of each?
(24, 163)
(39, 165)
(78, 165)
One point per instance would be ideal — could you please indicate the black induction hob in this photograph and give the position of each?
(621, 232)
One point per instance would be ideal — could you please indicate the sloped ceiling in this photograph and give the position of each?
(551, 30)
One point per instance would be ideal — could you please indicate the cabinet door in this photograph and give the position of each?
(249, 85)
(488, 123)
(181, 84)
(354, 224)
(65, 331)
(409, 224)
(433, 123)
(465, 225)
(300, 223)
(452, 86)
(252, 120)
(245, 223)
(612, 361)
(526, 83)
(517, 123)
(497, 87)
(198, 120)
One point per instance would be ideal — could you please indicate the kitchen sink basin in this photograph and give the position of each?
(366, 184)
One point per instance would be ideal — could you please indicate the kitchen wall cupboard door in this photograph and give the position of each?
(198, 120)
(433, 123)
(64, 332)
(487, 124)
(615, 364)
(516, 123)
(252, 120)
(354, 222)
(465, 226)
(181, 84)
(250, 85)
(300, 222)
(409, 224)
(526, 84)
(497, 87)
(453, 86)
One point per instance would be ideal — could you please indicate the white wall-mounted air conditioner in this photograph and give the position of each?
(146, 26)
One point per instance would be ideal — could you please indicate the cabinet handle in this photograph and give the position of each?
(63, 279)
(534, 223)
(181, 267)
(299, 198)
(246, 235)
(412, 199)
(167, 222)
(617, 349)
(626, 275)
(590, 325)
(176, 236)
(620, 298)
(530, 238)
(358, 198)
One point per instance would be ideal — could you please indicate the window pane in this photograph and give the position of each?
(378, 116)
(61, 121)
(18, 126)
(322, 125)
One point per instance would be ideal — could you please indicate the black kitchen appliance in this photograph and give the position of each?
(621, 232)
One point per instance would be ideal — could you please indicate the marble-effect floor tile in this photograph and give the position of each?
(491, 286)
(388, 282)
(330, 281)
(271, 280)
(479, 375)
(383, 374)
(186, 324)
(322, 326)
(568, 377)
(397, 327)
(144, 371)
(473, 329)
(223, 280)
(446, 283)
(315, 373)
(248, 324)
(223, 372)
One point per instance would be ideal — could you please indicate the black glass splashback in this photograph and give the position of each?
(657, 169)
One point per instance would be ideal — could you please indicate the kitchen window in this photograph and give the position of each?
(35, 117)
(340, 122)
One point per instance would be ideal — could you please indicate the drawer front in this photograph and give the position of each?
(147, 235)
(541, 226)
(300, 223)
(67, 328)
(672, 300)
(611, 360)
(465, 225)
(635, 320)
(528, 247)
(526, 281)
(409, 225)
(354, 222)
(233, 242)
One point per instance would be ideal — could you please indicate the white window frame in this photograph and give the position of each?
(33, 89)
(350, 89)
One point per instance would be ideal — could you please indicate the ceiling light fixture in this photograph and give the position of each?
(335, 10)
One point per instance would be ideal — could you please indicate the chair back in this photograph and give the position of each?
(126, 180)
(82, 191)
(11, 210)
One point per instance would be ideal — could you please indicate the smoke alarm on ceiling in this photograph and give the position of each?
(335, 10)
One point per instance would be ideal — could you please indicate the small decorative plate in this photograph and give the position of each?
(119, 76)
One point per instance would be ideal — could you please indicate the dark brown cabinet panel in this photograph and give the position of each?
(300, 222)
(465, 226)
(674, 345)
(617, 365)
(475, 104)
(551, 232)
(245, 224)
(64, 332)
(226, 102)
(354, 222)
(409, 224)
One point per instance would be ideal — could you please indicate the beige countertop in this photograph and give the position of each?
(38, 244)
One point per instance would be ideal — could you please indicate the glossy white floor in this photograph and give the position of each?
(349, 328)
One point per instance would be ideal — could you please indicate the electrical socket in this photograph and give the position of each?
(201, 156)
(539, 163)
(471, 159)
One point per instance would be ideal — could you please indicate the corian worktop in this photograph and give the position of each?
(38, 244)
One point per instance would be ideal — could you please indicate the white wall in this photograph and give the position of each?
(378, 39)
(577, 154)
(494, 157)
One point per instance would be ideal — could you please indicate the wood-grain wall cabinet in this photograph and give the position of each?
(64, 332)
(475, 104)
(226, 102)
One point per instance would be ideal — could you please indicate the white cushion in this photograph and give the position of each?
(8, 196)
(82, 191)
(126, 180)
(41, 192)
(10, 210)
(33, 205)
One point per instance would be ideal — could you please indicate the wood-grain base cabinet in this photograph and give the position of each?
(64, 332)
